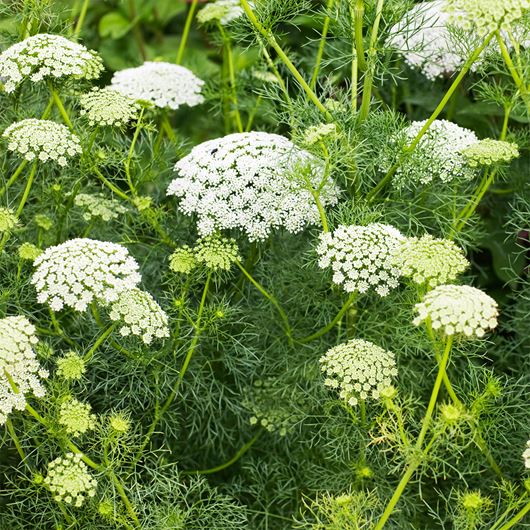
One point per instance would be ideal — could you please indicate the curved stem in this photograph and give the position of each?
(515, 519)
(101, 339)
(13, 177)
(186, 31)
(127, 163)
(322, 44)
(27, 189)
(59, 104)
(332, 324)
(16, 441)
(358, 15)
(81, 19)
(271, 299)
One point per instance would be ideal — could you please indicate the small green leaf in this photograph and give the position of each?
(114, 25)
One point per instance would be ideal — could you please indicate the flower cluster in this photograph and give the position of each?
(526, 455)
(43, 140)
(183, 260)
(80, 271)
(217, 252)
(76, 417)
(423, 39)
(20, 371)
(119, 423)
(224, 11)
(248, 181)
(69, 480)
(99, 206)
(437, 156)
(141, 315)
(488, 152)
(162, 84)
(107, 106)
(29, 251)
(47, 56)
(8, 220)
(458, 309)
(358, 369)
(485, 16)
(319, 133)
(431, 261)
(71, 367)
(361, 257)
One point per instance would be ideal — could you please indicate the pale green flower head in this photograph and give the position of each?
(319, 133)
(43, 221)
(217, 252)
(69, 480)
(99, 206)
(119, 423)
(489, 152)
(108, 107)
(183, 260)
(71, 367)
(8, 220)
(76, 417)
(29, 251)
(222, 11)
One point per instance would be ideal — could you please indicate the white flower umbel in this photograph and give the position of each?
(430, 261)
(526, 455)
(458, 309)
(425, 42)
(99, 206)
(485, 16)
(76, 417)
(358, 370)
(162, 84)
(107, 106)
(438, 156)
(45, 56)
(361, 257)
(20, 371)
(141, 315)
(248, 181)
(80, 271)
(69, 480)
(42, 140)
(224, 11)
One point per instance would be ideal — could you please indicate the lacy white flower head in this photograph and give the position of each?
(430, 261)
(8, 220)
(361, 257)
(423, 39)
(358, 370)
(162, 84)
(217, 252)
(80, 271)
(141, 315)
(20, 371)
(99, 206)
(183, 260)
(47, 56)
(458, 309)
(107, 106)
(526, 455)
(71, 367)
(69, 480)
(489, 152)
(224, 11)
(76, 417)
(485, 16)
(42, 140)
(438, 156)
(248, 181)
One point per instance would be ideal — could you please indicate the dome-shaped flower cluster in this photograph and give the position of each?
(438, 156)
(45, 56)
(425, 42)
(488, 152)
(76, 417)
(217, 252)
(458, 309)
(141, 315)
(319, 133)
(526, 455)
(361, 257)
(358, 370)
(99, 206)
(71, 367)
(8, 220)
(224, 11)
(43, 140)
(248, 181)
(183, 260)
(20, 371)
(107, 106)
(162, 84)
(485, 16)
(29, 251)
(430, 261)
(80, 271)
(69, 480)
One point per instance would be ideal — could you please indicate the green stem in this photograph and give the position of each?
(137, 30)
(269, 37)
(59, 104)
(515, 519)
(127, 164)
(252, 113)
(27, 189)
(120, 193)
(440, 107)
(186, 31)
(332, 324)
(227, 464)
(358, 15)
(81, 19)
(99, 342)
(322, 44)
(13, 177)
(271, 299)
(16, 441)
